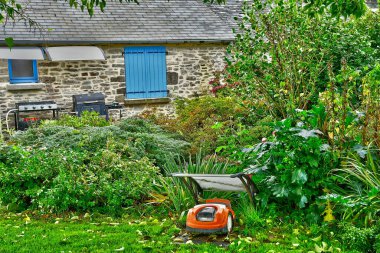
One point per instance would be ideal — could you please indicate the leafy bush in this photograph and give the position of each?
(62, 168)
(68, 180)
(369, 24)
(293, 165)
(85, 120)
(371, 106)
(349, 113)
(359, 239)
(359, 192)
(196, 118)
(281, 58)
(135, 138)
(234, 140)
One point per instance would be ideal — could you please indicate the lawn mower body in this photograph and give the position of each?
(216, 216)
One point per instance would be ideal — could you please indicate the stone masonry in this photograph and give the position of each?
(189, 70)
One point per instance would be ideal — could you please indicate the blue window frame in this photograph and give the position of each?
(145, 72)
(22, 71)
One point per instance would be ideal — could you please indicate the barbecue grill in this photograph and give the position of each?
(25, 107)
(36, 106)
(90, 102)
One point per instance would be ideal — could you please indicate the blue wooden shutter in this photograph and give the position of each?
(145, 72)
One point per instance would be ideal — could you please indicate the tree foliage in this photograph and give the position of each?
(280, 57)
(337, 8)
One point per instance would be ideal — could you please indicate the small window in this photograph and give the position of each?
(23, 71)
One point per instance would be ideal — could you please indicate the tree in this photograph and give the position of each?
(281, 59)
(337, 8)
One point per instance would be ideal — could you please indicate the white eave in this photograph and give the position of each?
(21, 53)
(75, 53)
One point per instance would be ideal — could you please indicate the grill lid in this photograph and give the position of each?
(88, 98)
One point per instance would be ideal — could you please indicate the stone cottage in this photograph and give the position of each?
(154, 52)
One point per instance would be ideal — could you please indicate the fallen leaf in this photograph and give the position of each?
(178, 239)
(317, 239)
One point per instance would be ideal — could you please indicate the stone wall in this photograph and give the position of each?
(189, 70)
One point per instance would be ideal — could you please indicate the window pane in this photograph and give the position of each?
(22, 68)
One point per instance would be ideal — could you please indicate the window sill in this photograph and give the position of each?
(25, 86)
(146, 101)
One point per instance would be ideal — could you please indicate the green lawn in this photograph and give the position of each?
(80, 234)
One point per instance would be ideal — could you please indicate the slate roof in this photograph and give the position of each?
(372, 4)
(152, 21)
(227, 12)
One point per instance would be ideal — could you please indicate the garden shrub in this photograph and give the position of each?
(293, 165)
(234, 140)
(369, 24)
(280, 57)
(62, 179)
(136, 138)
(358, 239)
(56, 167)
(371, 106)
(197, 117)
(202, 121)
(85, 120)
(358, 194)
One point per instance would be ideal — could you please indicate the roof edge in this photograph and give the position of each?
(82, 42)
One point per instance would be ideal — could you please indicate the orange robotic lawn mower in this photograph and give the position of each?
(216, 215)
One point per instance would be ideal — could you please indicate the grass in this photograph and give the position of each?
(35, 233)
(17, 234)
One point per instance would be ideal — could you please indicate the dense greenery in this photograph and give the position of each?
(317, 77)
(282, 59)
(295, 162)
(87, 119)
(64, 180)
(359, 195)
(298, 106)
(60, 168)
(133, 138)
(211, 123)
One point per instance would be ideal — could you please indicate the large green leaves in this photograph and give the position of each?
(299, 176)
(294, 165)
